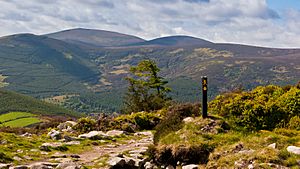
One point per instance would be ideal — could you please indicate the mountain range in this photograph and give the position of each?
(90, 66)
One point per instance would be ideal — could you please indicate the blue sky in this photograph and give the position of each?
(272, 23)
(280, 5)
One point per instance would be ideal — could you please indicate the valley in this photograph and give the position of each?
(91, 65)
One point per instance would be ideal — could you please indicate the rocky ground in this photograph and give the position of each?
(112, 149)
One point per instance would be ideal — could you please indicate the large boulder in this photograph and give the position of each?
(293, 149)
(55, 135)
(95, 135)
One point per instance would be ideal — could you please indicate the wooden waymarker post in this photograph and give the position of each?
(204, 97)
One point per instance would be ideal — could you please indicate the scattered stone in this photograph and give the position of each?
(43, 165)
(115, 133)
(68, 139)
(237, 148)
(26, 135)
(34, 150)
(19, 167)
(72, 143)
(3, 142)
(48, 146)
(188, 120)
(190, 166)
(271, 165)
(44, 153)
(55, 135)
(27, 158)
(246, 151)
(293, 149)
(66, 125)
(95, 135)
(19, 151)
(240, 164)
(116, 162)
(58, 155)
(68, 165)
(4, 166)
(149, 165)
(68, 130)
(170, 167)
(75, 156)
(17, 158)
(144, 133)
(272, 145)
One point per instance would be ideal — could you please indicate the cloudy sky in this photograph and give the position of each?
(273, 23)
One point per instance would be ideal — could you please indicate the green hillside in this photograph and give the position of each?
(11, 102)
(49, 66)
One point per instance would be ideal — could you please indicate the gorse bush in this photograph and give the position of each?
(262, 108)
(85, 125)
(137, 121)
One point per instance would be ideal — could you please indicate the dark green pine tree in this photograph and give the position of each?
(147, 91)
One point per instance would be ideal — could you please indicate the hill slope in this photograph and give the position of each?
(90, 37)
(37, 64)
(93, 70)
(11, 101)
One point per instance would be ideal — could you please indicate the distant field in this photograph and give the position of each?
(23, 122)
(18, 119)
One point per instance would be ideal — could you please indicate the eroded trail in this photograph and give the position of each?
(134, 148)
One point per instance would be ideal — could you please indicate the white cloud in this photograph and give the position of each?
(238, 21)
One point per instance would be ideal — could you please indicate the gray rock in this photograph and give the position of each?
(188, 120)
(43, 165)
(55, 135)
(66, 125)
(26, 135)
(246, 151)
(95, 135)
(272, 145)
(72, 143)
(116, 161)
(115, 133)
(293, 149)
(170, 167)
(48, 146)
(17, 158)
(19, 167)
(144, 133)
(149, 165)
(68, 165)
(4, 166)
(75, 156)
(190, 166)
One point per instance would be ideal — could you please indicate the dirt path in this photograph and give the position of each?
(133, 148)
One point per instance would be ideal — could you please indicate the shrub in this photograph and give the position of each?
(173, 119)
(4, 158)
(262, 108)
(85, 125)
(294, 123)
(137, 121)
